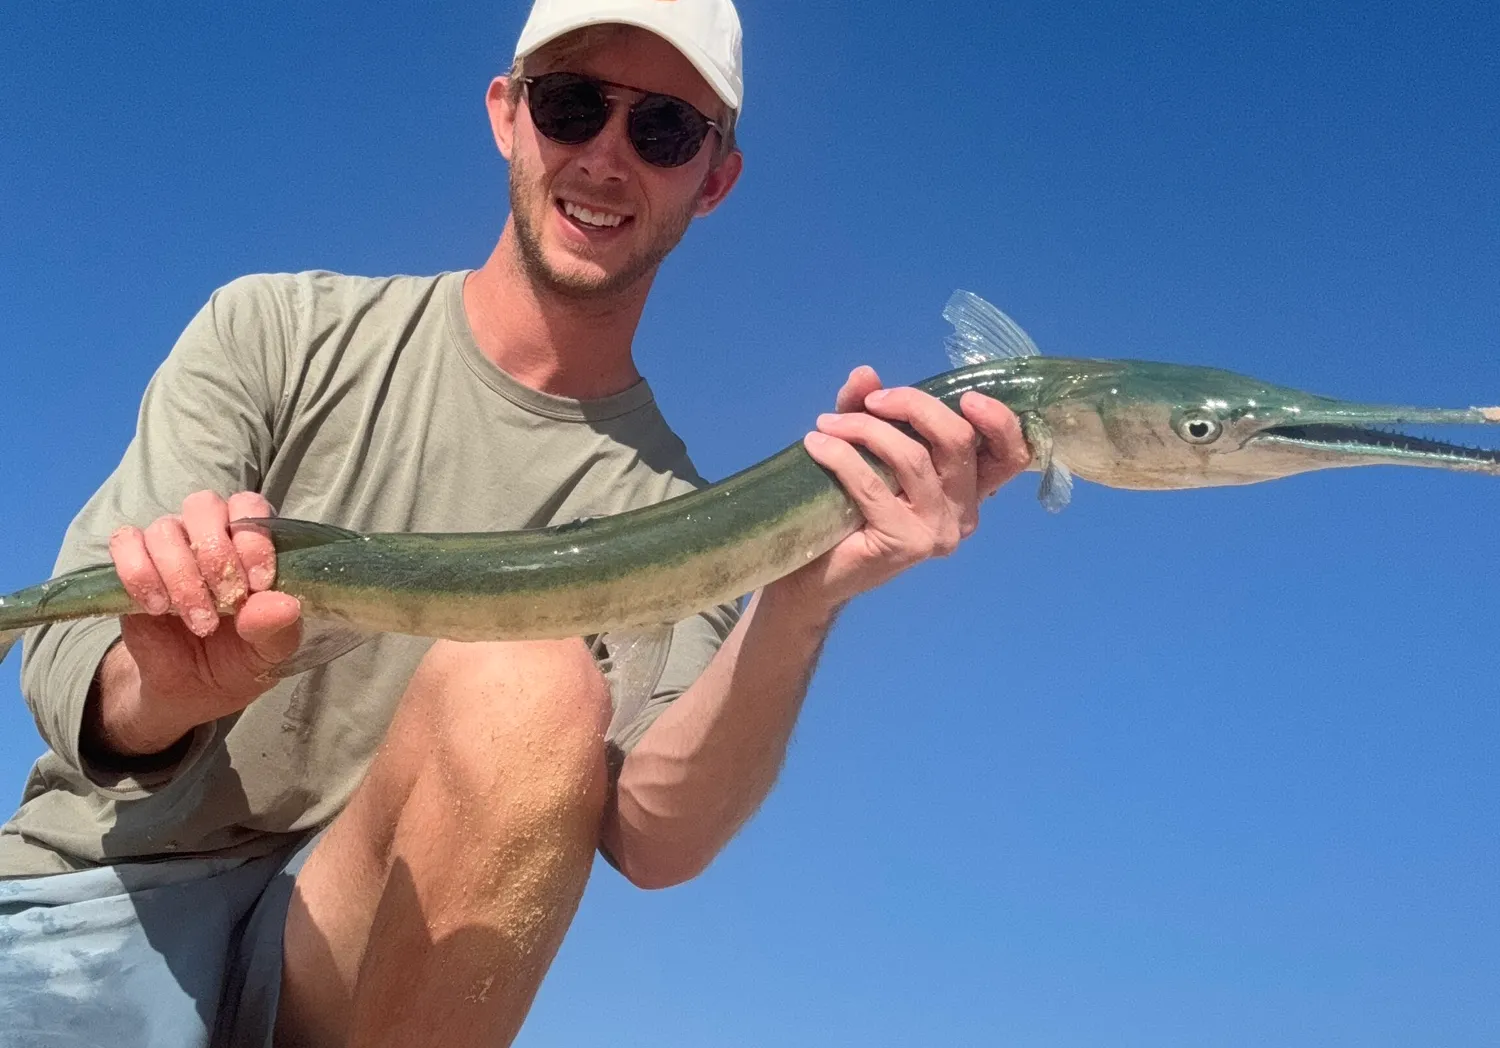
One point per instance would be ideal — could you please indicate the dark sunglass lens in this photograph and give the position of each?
(567, 108)
(666, 131)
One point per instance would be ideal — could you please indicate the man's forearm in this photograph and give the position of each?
(114, 724)
(704, 767)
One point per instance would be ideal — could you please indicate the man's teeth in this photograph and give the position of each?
(591, 218)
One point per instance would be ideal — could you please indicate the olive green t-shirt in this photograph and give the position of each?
(360, 402)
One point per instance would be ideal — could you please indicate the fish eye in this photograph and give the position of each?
(1199, 429)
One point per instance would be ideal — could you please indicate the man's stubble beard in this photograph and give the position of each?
(640, 265)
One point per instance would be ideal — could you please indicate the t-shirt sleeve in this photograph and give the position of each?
(206, 422)
(692, 644)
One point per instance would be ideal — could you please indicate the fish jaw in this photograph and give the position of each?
(1322, 433)
(1300, 449)
(1162, 426)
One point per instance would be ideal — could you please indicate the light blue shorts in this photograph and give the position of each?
(182, 953)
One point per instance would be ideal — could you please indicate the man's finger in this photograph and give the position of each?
(939, 424)
(952, 441)
(867, 488)
(127, 549)
(862, 381)
(205, 518)
(922, 522)
(906, 458)
(1006, 453)
(253, 544)
(167, 543)
(271, 624)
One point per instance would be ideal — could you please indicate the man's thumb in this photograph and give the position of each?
(271, 623)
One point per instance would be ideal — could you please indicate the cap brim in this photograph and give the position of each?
(694, 54)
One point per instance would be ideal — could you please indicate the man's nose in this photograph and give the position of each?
(607, 156)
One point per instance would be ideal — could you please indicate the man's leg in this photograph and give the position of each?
(434, 904)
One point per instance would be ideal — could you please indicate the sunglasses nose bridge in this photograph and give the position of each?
(608, 154)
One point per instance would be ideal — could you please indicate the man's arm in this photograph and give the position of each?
(709, 760)
(205, 421)
(172, 673)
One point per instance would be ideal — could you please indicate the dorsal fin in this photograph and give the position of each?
(981, 332)
(288, 533)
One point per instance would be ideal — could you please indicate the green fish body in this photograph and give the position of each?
(1119, 423)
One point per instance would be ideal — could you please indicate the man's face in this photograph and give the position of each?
(636, 212)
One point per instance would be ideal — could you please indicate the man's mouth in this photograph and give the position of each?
(592, 218)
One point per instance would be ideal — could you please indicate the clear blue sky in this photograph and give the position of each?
(1210, 768)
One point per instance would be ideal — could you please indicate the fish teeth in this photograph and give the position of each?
(598, 219)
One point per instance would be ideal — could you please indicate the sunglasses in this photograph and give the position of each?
(570, 109)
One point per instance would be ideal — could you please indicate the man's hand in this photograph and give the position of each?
(938, 505)
(211, 633)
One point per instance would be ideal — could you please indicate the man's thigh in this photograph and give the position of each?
(154, 955)
(480, 733)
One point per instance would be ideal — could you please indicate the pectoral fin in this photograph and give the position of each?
(323, 640)
(1057, 483)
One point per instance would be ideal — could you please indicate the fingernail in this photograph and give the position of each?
(817, 439)
(202, 622)
(876, 397)
(158, 605)
(261, 578)
(827, 418)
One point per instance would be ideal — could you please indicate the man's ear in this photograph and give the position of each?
(502, 112)
(720, 180)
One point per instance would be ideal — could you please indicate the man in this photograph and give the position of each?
(388, 849)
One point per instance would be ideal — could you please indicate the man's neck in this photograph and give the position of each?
(570, 347)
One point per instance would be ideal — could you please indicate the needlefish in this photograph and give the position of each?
(1120, 423)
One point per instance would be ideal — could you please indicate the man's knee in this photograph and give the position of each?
(522, 724)
(487, 794)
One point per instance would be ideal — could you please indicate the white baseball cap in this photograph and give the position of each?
(707, 32)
